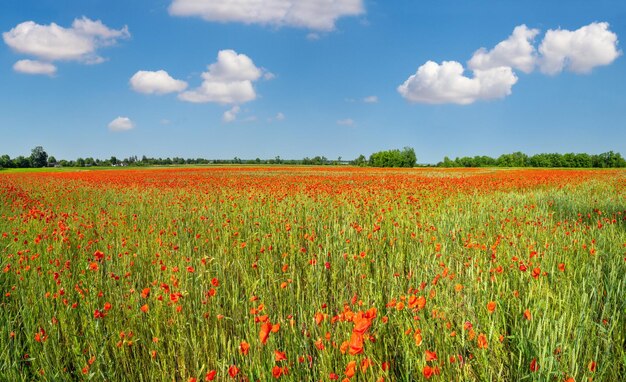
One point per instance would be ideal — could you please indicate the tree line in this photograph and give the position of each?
(518, 159)
(387, 158)
(39, 158)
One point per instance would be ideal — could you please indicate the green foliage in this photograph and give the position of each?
(21, 162)
(361, 161)
(316, 161)
(38, 157)
(6, 162)
(394, 158)
(390, 158)
(518, 159)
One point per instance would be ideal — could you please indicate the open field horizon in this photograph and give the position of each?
(312, 190)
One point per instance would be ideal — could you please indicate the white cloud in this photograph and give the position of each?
(578, 51)
(121, 124)
(278, 117)
(346, 122)
(313, 36)
(52, 42)
(434, 84)
(370, 99)
(517, 52)
(228, 81)
(231, 115)
(34, 67)
(311, 14)
(159, 82)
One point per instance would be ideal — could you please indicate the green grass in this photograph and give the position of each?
(385, 235)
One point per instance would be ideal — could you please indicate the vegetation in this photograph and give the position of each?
(518, 159)
(389, 158)
(300, 274)
(393, 158)
(38, 157)
(37, 160)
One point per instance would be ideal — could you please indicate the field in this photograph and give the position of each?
(313, 274)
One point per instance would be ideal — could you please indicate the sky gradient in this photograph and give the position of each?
(336, 78)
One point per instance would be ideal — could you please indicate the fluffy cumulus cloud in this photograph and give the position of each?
(34, 67)
(53, 42)
(312, 14)
(121, 124)
(159, 82)
(578, 51)
(493, 76)
(227, 81)
(517, 52)
(446, 83)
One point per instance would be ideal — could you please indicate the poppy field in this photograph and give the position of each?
(313, 274)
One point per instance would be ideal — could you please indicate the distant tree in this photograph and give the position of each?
(539, 160)
(618, 160)
(583, 160)
(447, 162)
(5, 161)
(52, 161)
(393, 158)
(571, 160)
(409, 159)
(21, 162)
(38, 157)
(361, 161)
(568, 160)
(608, 159)
(517, 159)
(80, 162)
(318, 160)
(556, 160)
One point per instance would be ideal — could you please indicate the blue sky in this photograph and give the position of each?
(334, 78)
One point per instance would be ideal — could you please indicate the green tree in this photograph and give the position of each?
(409, 159)
(38, 157)
(361, 161)
(393, 158)
(5, 161)
(447, 162)
(21, 162)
